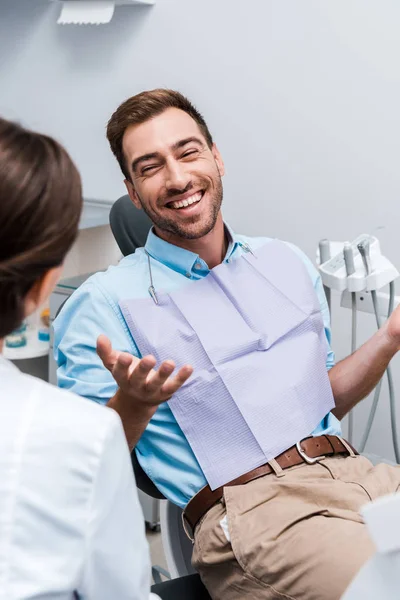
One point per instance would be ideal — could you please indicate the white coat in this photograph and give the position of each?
(70, 520)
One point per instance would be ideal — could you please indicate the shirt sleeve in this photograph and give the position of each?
(319, 290)
(117, 555)
(87, 314)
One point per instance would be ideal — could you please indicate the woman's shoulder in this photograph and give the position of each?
(63, 417)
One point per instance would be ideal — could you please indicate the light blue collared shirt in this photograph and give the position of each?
(163, 451)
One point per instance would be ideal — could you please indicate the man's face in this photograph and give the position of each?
(175, 176)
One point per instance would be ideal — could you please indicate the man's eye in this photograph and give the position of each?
(148, 169)
(189, 153)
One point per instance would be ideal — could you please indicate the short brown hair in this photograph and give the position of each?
(40, 207)
(142, 108)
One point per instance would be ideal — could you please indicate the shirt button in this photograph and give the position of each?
(197, 266)
(188, 275)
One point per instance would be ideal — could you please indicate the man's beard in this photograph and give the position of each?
(205, 225)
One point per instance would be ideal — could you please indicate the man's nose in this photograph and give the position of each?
(177, 177)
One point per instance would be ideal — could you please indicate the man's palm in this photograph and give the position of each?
(138, 378)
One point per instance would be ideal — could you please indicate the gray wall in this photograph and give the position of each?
(302, 97)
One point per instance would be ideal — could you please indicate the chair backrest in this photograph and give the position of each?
(129, 225)
(144, 482)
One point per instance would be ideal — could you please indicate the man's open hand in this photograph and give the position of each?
(138, 379)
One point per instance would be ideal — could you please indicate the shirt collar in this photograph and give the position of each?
(182, 260)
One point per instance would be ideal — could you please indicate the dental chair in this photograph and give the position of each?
(130, 227)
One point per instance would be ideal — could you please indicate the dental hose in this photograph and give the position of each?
(350, 269)
(353, 349)
(377, 392)
(392, 399)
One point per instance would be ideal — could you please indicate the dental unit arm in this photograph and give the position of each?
(358, 270)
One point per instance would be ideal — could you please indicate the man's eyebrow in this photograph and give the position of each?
(186, 141)
(143, 158)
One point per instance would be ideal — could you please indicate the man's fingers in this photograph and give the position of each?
(106, 352)
(174, 383)
(156, 379)
(124, 367)
(103, 345)
(138, 376)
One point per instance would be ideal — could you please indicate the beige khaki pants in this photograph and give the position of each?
(296, 536)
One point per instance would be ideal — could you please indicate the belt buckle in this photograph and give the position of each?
(308, 459)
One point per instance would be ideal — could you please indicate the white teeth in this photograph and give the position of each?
(183, 203)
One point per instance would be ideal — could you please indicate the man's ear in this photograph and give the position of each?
(132, 193)
(218, 159)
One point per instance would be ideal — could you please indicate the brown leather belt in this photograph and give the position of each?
(310, 450)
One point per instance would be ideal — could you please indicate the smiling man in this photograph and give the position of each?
(227, 386)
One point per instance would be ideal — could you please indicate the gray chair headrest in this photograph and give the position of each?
(129, 225)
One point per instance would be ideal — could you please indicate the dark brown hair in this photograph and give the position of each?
(40, 207)
(142, 108)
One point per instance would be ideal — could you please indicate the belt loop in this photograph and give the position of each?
(277, 469)
(185, 526)
(329, 442)
(348, 447)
